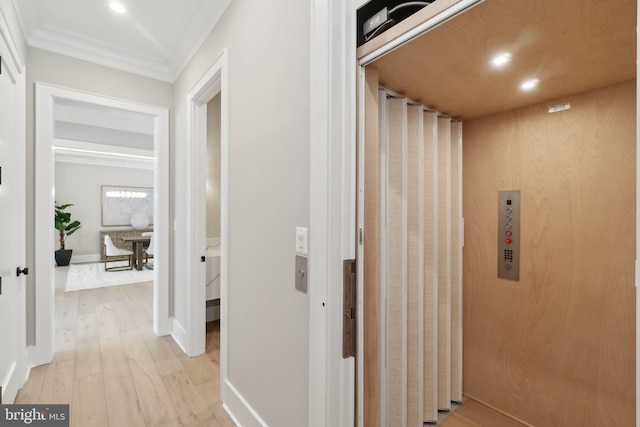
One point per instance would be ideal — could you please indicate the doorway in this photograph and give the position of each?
(571, 112)
(213, 83)
(43, 313)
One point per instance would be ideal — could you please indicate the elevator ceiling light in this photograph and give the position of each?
(501, 60)
(529, 84)
(117, 7)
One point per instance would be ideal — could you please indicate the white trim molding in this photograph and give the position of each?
(332, 210)
(179, 334)
(45, 97)
(16, 58)
(74, 45)
(239, 409)
(89, 153)
(214, 81)
(80, 259)
(165, 67)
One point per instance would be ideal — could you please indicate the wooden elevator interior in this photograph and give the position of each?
(557, 347)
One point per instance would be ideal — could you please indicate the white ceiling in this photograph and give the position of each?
(99, 135)
(153, 38)
(71, 111)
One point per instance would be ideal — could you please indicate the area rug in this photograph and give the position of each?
(91, 276)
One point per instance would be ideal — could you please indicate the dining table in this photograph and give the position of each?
(137, 243)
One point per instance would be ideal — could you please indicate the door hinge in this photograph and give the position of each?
(349, 308)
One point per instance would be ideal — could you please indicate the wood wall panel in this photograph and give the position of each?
(415, 266)
(430, 300)
(456, 262)
(373, 309)
(396, 238)
(444, 263)
(556, 348)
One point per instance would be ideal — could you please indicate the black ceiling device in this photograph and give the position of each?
(377, 16)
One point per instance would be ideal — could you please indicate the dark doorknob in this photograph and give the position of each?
(20, 271)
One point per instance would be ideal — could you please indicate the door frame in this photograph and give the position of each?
(45, 96)
(362, 63)
(332, 214)
(214, 81)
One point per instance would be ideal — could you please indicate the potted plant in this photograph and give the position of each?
(66, 227)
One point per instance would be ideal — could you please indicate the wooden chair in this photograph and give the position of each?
(111, 251)
(148, 251)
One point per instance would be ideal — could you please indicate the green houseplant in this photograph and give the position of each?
(66, 227)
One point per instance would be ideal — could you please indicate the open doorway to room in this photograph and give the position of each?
(533, 132)
(207, 239)
(48, 99)
(104, 169)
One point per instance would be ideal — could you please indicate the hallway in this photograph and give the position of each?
(113, 371)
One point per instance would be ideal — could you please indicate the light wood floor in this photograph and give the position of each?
(113, 371)
(473, 414)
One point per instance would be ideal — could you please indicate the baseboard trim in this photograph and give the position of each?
(80, 259)
(9, 386)
(31, 356)
(241, 413)
(179, 334)
(497, 410)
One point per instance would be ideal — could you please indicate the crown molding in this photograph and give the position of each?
(209, 21)
(77, 46)
(26, 15)
(166, 69)
(17, 61)
(86, 153)
(96, 160)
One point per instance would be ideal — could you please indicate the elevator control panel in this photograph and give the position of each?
(509, 235)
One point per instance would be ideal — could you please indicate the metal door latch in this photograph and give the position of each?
(349, 308)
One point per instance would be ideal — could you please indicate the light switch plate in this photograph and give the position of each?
(301, 273)
(302, 241)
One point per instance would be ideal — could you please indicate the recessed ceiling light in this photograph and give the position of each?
(117, 7)
(529, 84)
(501, 60)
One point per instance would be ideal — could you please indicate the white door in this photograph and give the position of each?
(12, 230)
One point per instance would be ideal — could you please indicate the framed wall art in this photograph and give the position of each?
(121, 204)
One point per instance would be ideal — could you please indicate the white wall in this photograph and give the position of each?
(81, 185)
(72, 73)
(269, 151)
(213, 167)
